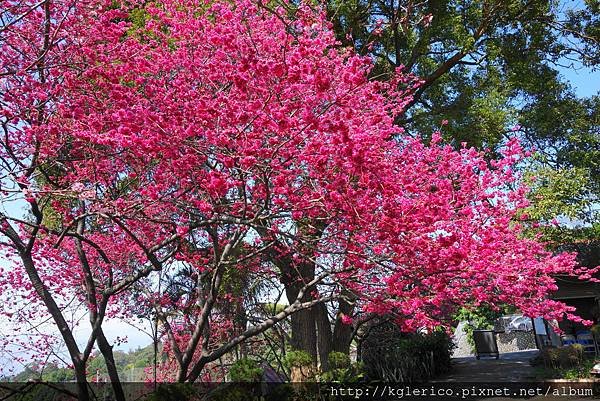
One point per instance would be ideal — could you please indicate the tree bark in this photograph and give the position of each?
(111, 367)
(324, 335)
(342, 333)
(303, 326)
(79, 364)
(82, 384)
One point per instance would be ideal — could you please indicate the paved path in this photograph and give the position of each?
(509, 368)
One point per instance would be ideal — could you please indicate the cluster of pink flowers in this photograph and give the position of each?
(219, 120)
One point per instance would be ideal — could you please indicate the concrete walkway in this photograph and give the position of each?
(510, 367)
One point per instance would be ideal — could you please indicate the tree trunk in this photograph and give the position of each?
(79, 364)
(342, 333)
(241, 323)
(312, 328)
(324, 335)
(303, 324)
(111, 367)
(304, 336)
(82, 384)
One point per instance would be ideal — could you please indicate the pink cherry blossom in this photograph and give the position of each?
(160, 161)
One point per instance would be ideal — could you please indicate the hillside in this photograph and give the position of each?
(132, 366)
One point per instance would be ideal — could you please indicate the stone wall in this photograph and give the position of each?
(507, 342)
(516, 341)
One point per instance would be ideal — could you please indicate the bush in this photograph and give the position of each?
(339, 360)
(561, 358)
(245, 370)
(300, 365)
(565, 363)
(341, 369)
(297, 359)
(388, 355)
(582, 371)
(481, 318)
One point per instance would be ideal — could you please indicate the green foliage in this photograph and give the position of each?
(415, 358)
(300, 366)
(129, 364)
(58, 375)
(49, 373)
(297, 359)
(125, 361)
(468, 51)
(480, 318)
(558, 192)
(273, 308)
(568, 357)
(559, 195)
(567, 363)
(245, 370)
(138, 18)
(579, 372)
(341, 369)
(339, 360)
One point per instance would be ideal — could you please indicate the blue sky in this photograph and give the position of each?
(584, 81)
